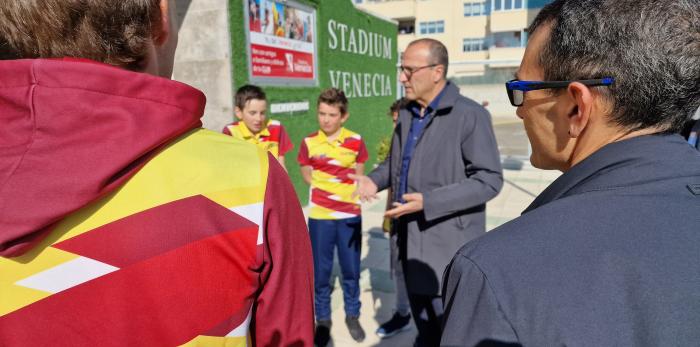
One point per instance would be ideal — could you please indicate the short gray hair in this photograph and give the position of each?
(438, 52)
(651, 48)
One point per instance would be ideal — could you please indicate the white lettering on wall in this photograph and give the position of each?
(332, 39)
(357, 85)
(361, 85)
(362, 44)
(358, 41)
(343, 30)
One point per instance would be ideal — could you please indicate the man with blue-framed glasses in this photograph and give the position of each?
(516, 89)
(607, 255)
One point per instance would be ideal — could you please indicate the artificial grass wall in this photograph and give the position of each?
(339, 64)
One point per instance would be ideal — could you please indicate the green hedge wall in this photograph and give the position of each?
(367, 114)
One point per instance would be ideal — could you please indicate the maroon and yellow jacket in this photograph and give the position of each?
(120, 225)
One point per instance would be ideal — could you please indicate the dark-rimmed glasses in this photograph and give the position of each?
(516, 89)
(409, 71)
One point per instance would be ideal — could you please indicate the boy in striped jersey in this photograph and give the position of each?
(326, 158)
(254, 127)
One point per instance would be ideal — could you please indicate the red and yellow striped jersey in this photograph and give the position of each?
(272, 137)
(332, 161)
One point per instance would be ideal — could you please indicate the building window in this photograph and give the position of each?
(508, 39)
(476, 8)
(358, 1)
(473, 45)
(434, 27)
(508, 5)
(407, 26)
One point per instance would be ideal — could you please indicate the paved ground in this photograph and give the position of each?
(511, 137)
(522, 184)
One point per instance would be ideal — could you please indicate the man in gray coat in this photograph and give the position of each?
(609, 253)
(443, 167)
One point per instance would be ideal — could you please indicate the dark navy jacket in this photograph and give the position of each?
(608, 255)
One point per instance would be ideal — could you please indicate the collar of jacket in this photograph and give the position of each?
(415, 108)
(634, 161)
(449, 97)
(450, 94)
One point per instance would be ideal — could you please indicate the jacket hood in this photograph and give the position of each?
(73, 131)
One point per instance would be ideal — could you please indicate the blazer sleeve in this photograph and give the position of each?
(473, 316)
(483, 177)
(283, 314)
(381, 175)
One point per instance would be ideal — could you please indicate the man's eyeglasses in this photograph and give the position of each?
(516, 89)
(409, 71)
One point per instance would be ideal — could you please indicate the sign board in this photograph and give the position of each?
(281, 43)
(289, 107)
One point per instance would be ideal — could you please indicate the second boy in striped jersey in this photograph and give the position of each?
(254, 127)
(326, 158)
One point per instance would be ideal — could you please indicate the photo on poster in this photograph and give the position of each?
(281, 43)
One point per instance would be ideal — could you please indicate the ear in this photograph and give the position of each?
(437, 73)
(344, 117)
(238, 113)
(167, 16)
(580, 113)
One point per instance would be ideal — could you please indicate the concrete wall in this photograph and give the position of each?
(203, 56)
(514, 20)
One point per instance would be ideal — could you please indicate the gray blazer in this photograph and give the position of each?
(457, 168)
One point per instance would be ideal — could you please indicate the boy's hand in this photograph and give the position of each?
(366, 189)
(414, 203)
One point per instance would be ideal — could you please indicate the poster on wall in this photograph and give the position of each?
(281, 42)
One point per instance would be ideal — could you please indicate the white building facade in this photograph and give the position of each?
(485, 39)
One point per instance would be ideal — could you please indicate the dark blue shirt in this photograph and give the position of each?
(417, 126)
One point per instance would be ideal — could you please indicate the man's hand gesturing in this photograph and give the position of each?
(366, 189)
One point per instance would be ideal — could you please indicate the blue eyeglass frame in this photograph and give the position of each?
(515, 85)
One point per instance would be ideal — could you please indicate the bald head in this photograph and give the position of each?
(437, 52)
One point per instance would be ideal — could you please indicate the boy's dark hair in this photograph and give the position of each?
(248, 92)
(335, 97)
(396, 106)
(94, 29)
